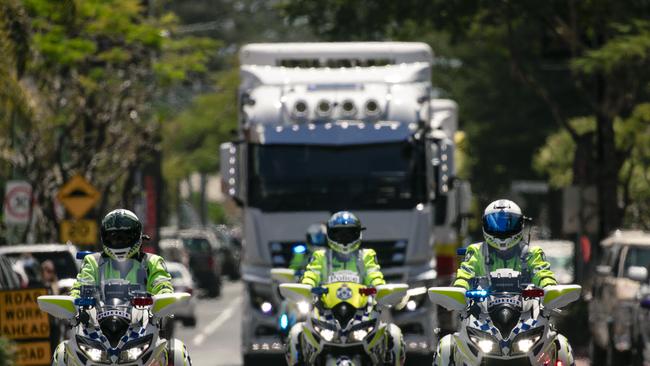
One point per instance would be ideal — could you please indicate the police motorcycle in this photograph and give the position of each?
(504, 320)
(344, 326)
(116, 324)
(289, 312)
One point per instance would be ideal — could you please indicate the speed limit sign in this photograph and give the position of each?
(79, 231)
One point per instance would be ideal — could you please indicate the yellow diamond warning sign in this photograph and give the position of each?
(78, 196)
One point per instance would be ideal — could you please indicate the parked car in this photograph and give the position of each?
(561, 255)
(205, 259)
(29, 260)
(614, 303)
(182, 282)
(173, 250)
(9, 279)
(231, 250)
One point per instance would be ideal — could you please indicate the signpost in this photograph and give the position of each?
(78, 197)
(17, 202)
(23, 322)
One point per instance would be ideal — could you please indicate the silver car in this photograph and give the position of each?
(182, 282)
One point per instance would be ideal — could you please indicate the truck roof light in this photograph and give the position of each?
(348, 108)
(300, 109)
(324, 108)
(372, 108)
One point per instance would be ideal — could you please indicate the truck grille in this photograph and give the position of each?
(389, 253)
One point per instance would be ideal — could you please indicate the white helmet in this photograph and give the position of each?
(503, 224)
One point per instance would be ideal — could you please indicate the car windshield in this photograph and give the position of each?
(565, 263)
(637, 256)
(197, 244)
(64, 262)
(175, 274)
(297, 177)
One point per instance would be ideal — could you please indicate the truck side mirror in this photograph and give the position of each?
(637, 273)
(232, 183)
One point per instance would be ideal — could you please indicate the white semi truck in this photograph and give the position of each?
(325, 127)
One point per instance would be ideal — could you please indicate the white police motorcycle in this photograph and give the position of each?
(116, 323)
(504, 321)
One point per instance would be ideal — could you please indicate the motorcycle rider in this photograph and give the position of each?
(504, 247)
(342, 257)
(316, 238)
(122, 257)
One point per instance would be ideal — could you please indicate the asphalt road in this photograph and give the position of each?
(216, 339)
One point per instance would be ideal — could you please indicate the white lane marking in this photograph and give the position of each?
(217, 322)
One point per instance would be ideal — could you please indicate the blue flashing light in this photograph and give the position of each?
(476, 294)
(85, 301)
(82, 254)
(461, 252)
(319, 291)
(299, 249)
(284, 321)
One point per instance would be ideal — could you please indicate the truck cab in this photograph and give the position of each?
(325, 127)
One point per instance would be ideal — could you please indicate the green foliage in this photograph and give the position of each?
(95, 83)
(191, 140)
(7, 352)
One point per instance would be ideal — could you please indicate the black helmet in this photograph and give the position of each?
(121, 234)
(344, 232)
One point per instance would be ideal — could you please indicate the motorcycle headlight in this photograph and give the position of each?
(361, 334)
(484, 341)
(326, 334)
(133, 350)
(95, 351)
(524, 342)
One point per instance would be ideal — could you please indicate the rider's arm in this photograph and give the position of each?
(540, 269)
(87, 275)
(159, 280)
(314, 269)
(298, 261)
(373, 275)
(468, 267)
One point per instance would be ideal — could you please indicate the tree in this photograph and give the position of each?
(96, 71)
(579, 58)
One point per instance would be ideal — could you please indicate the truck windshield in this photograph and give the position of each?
(309, 178)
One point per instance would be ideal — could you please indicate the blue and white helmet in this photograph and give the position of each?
(503, 224)
(344, 232)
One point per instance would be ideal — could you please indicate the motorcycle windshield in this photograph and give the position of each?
(348, 292)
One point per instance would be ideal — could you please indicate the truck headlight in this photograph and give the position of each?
(133, 350)
(95, 351)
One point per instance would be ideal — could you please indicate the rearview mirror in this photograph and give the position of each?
(559, 296)
(283, 275)
(450, 298)
(58, 306)
(296, 292)
(390, 295)
(637, 273)
(167, 304)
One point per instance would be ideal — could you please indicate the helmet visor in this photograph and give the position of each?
(502, 224)
(120, 239)
(317, 239)
(344, 235)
